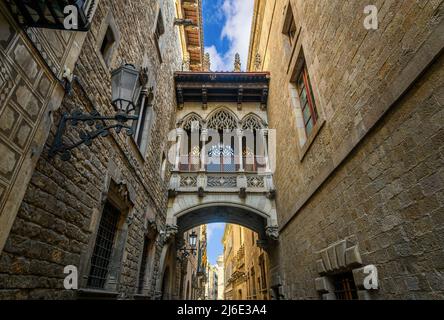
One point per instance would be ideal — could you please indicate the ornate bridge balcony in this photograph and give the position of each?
(234, 182)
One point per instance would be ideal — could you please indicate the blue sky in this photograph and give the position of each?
(215, 232)
(227, 25)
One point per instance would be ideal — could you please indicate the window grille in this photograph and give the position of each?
(103, 249)
(345, 288)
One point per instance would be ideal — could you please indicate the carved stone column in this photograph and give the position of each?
(180, 133)
(203, 151)
(264, 133)
(240, 135)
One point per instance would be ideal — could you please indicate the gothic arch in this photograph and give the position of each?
(222, 118)
(252, 122)
(186, 122)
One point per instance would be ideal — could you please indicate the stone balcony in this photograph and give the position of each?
(233, 182)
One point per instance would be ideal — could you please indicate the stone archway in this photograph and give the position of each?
(255, 212)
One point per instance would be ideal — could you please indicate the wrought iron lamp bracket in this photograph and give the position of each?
(187, 252)
(118, 122)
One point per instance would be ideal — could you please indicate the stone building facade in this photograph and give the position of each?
(246, 265)
(211, 288)
(191, 265)
(359, 114)
(57, 213)
(220, 277)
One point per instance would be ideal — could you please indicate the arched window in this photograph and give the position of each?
(251, 122)
(222, 119)
(252, 144)
(142, 127)
(191, 146)
(221, 158)
(221, 154)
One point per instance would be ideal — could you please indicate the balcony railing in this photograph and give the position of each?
(191, 182)
(49, 13)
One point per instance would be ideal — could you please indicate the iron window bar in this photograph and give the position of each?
(345, 288)
(103, 248)
(48, 13)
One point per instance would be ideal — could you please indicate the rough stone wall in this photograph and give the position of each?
(31, 65)
(55, 224)
(379, 187)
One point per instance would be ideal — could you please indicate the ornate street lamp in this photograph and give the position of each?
(192, 241)
(125, 88)
(48, 13)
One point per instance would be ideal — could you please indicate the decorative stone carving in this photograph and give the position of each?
(170, 232)
(271, 194)
(339, 257)
(251, 122)
(222, 182)
(272, 232)
(187, 122)
(206, 66)
(222, 119)
(237, 63)
(186, 62)
(257, 62)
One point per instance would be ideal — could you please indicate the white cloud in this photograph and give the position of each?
(217, 61)
(238, 16)
(211, 228)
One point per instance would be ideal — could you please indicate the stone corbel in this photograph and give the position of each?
(201, 192)
(170, 232)
(204, 98)
(264, 99)
(272, 232)
(180, 100)
(271, 194)
(240, 97)
(172, 193)
(242, 193)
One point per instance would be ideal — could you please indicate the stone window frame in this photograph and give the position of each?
(263, 273)
(289, 42)
(108, 24)
(157, 33)
(289, 28)
(152, 235)
(144, 130)
(121, 195)
(339, 258)
(297, 65)
(163, 166)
